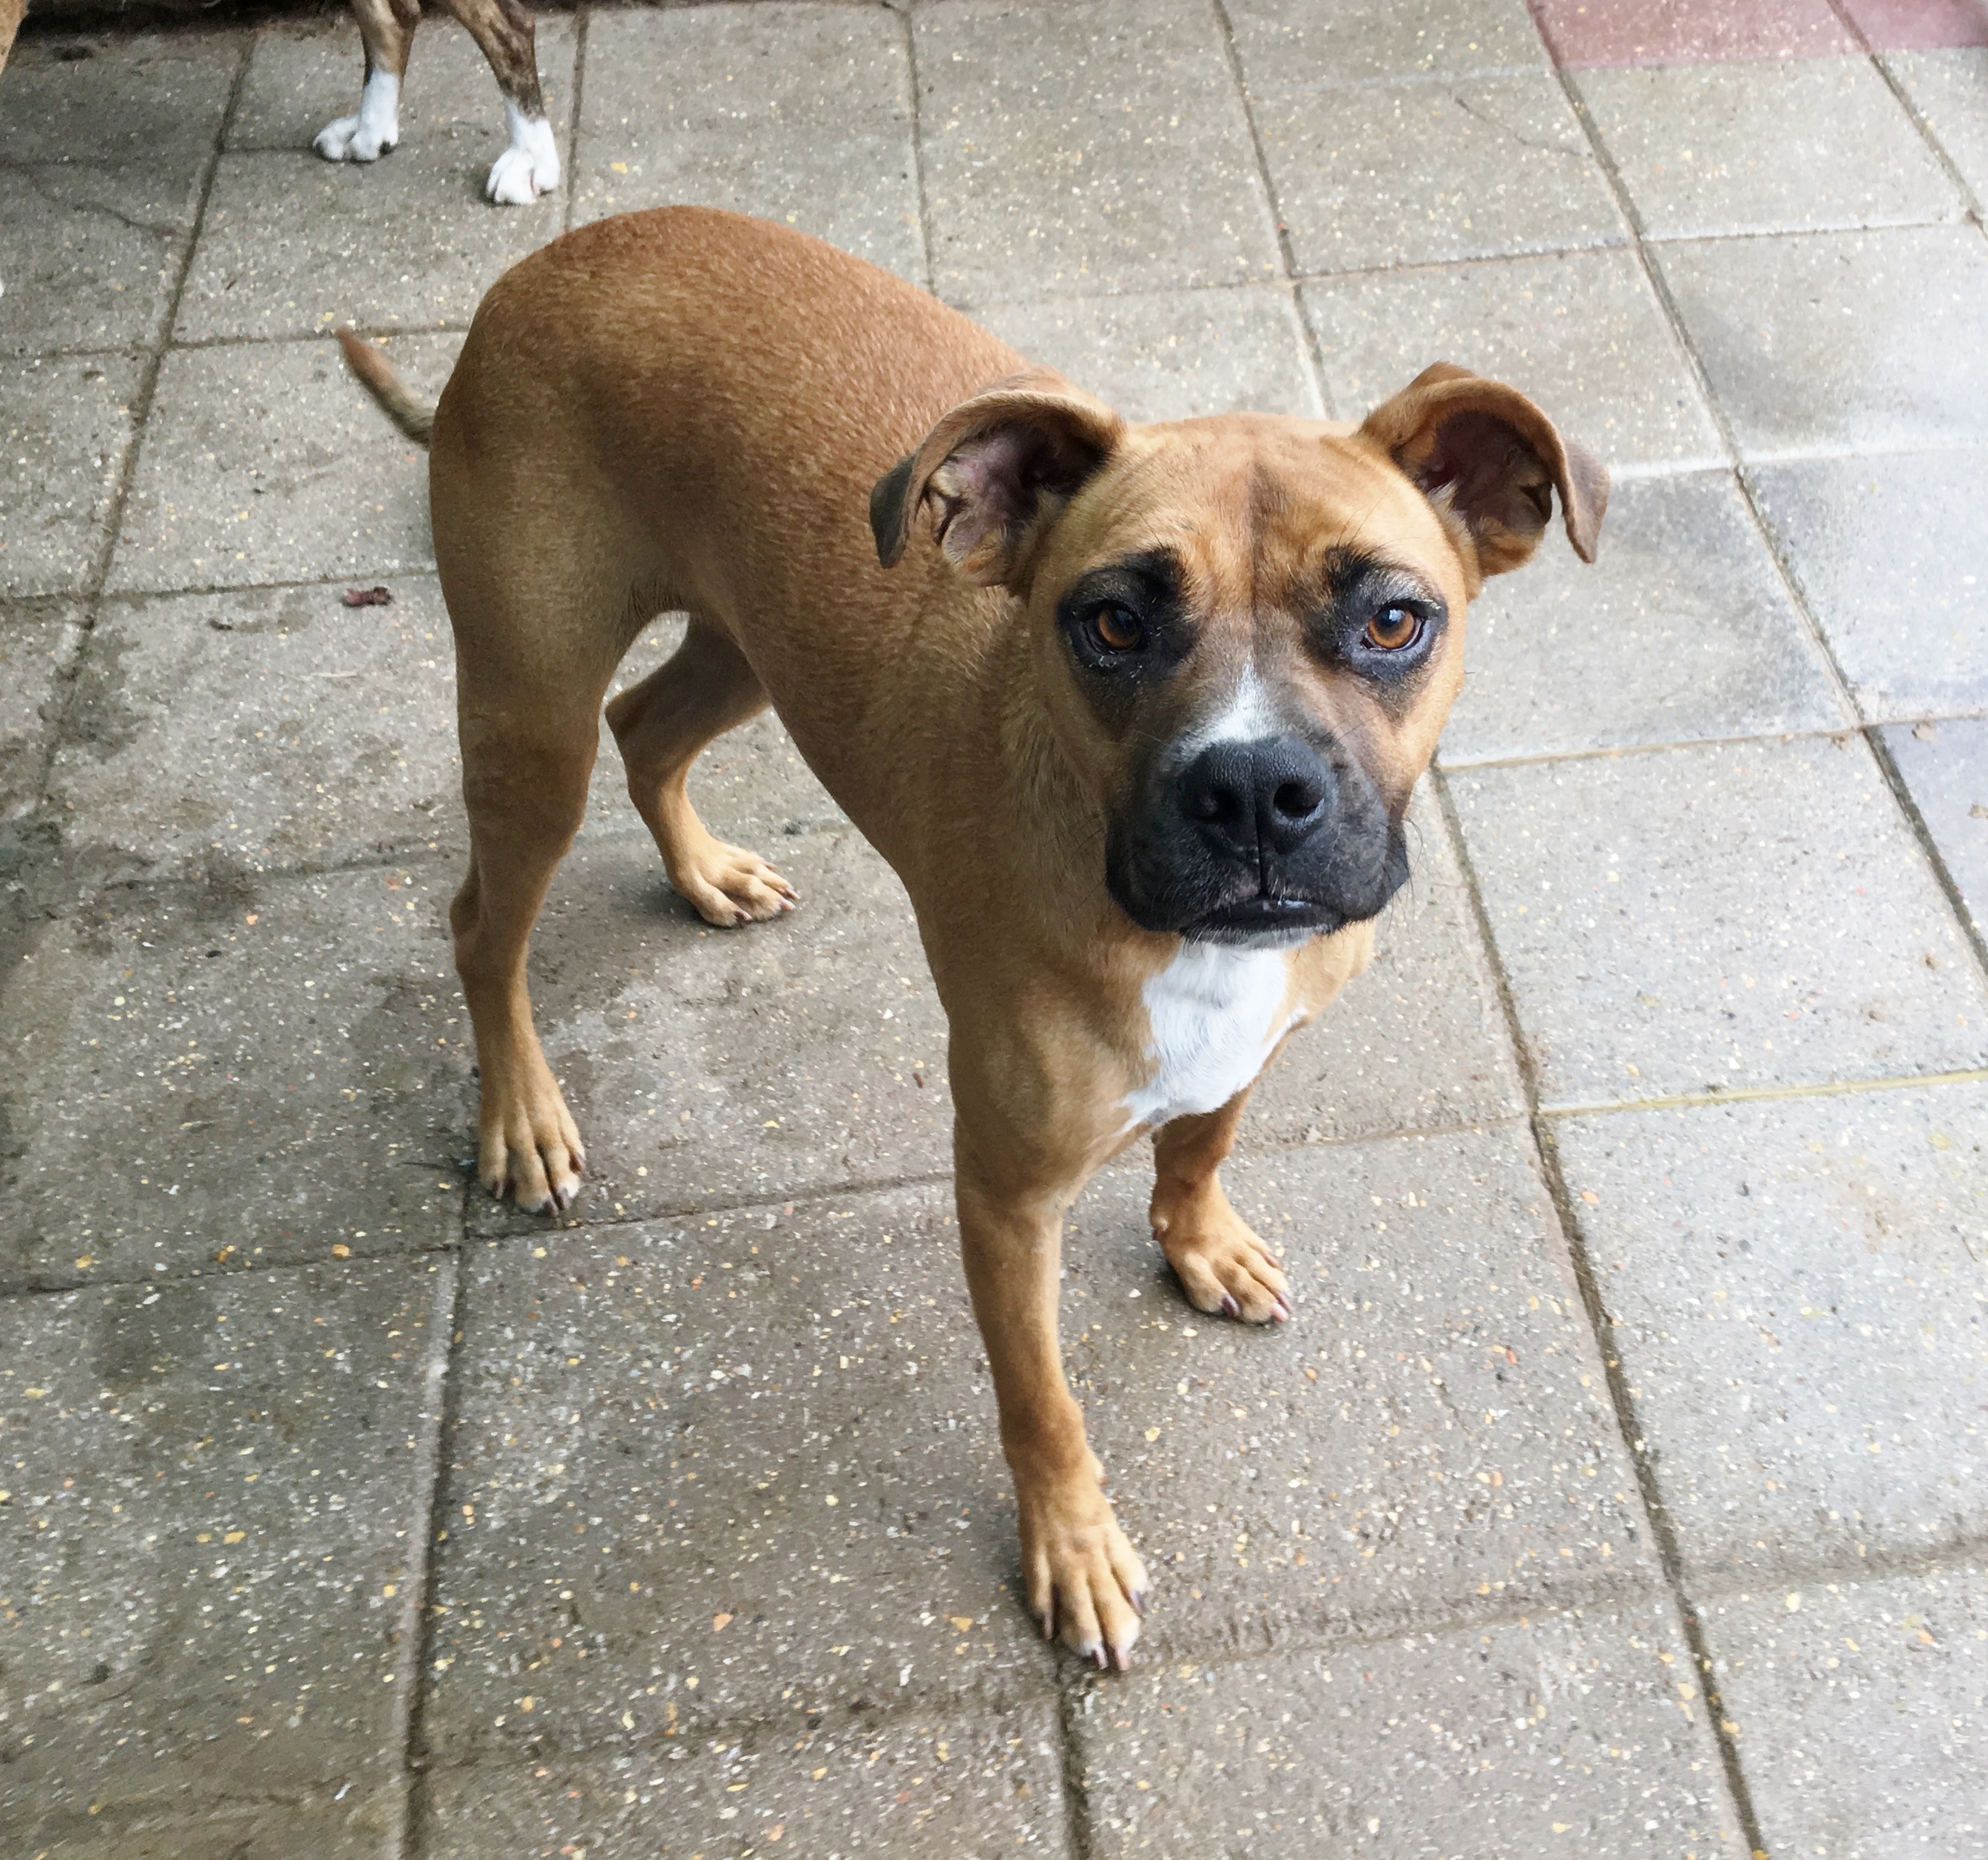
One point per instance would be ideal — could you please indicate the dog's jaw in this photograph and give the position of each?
(530, 167)
(366, 136)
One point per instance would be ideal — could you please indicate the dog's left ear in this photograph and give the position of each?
(1484, 453)
(998, 471)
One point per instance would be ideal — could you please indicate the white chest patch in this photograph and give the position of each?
(1215, 1016)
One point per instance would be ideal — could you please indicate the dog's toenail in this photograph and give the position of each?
(1138, 1598)
(1229, 1305)
(1098, 1654)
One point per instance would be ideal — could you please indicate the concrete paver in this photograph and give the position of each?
(1554, 1733)
(719, 1472)
(1945, 770)
(270, 453)
(89, 254)
(1894, 568)
(231, 1074)
(799, 113)
(324, 736)
(1681, 629)
(293, 244)
(1426, 173)
(1949, 88)
(1170, 355)
(1416, 1044)
(1286, 44)
(1799, 1292)
(1085, 147)
(143, 99)
(1766, 147)
(1757, 915)
(1837, 341)
(968, 1785)
(1583, 334)
(66, 420)
(1428, 1439)
(1863, 1708)
(213, 1559)
(706, 1067)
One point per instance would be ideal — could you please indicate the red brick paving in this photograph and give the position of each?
(1918, 25)
(1585, 33)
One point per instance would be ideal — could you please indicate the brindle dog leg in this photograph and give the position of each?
(1222, 1265)
(1083, 1577)
(530, 166)
(387, 27)
(705, 689)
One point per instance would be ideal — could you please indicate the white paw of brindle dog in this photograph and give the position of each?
(529, 165)
(1134, 712)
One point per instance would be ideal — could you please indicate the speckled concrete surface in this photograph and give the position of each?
(1616, 1490)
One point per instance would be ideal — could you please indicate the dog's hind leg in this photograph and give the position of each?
(530, 165)
(705, 688)
(386, 28)
(1221, 1264)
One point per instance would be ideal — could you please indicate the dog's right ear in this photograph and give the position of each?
(998, 471)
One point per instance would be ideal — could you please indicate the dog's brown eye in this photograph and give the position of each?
(1117, 629)
(1393, 628)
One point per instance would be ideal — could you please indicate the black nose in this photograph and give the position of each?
(1251, 798)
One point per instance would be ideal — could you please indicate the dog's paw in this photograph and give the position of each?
(368, 135)
(529, 167)
(528, 1143)
(1086, 1584)
(1221, 1264)
(351, 139)
(727, 885)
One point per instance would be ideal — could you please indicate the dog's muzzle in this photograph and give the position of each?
(1269, 841)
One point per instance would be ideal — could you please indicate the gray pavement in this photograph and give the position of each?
(1618, 1491)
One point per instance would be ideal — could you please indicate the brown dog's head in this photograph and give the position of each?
(1249, 630)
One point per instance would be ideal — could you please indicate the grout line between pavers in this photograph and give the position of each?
(430, 1497)
(1840, 734)
(583, 15)
(1397, 80)
(413, 1752)
(1971, 932)
(1769, 1095)
(1663, 1535)
(1074, 1693)
(1314, 353)
(910, 33)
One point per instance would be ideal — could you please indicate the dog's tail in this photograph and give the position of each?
(407, 409)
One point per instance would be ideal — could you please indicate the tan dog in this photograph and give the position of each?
(529, 165)
(1134, 711)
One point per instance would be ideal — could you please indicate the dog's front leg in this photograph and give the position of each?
(1221, 1263)
(387, 29)
(1083, 1577)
